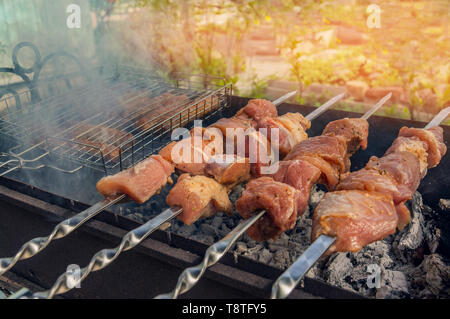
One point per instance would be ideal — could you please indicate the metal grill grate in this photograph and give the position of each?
(111, 119)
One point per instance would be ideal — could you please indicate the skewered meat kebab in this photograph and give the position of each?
(106, 256)
(368, 204)
(190, 276)
(128, 181)
(201, 197)
(284, 195)
(155, 164)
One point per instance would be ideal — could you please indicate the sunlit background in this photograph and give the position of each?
(264, 48)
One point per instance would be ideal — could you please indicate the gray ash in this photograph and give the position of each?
(409, 262)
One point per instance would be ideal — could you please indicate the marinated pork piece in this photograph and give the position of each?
(328, 153)
(258, 109)
(247, 117)
(354, 130)
(280, 201)
(108, 140)
(291, 130)
(228, 170)
(167, 105)
(234, 123)
(299, 174)
(195, 162)
(356, 218)
(434, 139)
(403, 167)
(382, 182)
(200, 197)
(333, 149)
(259, 151)
(414, 146)
(140, 182)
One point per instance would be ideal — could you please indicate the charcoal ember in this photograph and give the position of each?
(315, 197)
(283, 240)
(175, 226)
(208, 229)
(254, 252)
(236, 192)
(230, 222)
(338, 268)
(250, 242)
(433, 274)
(205, 239)
(375, 253)
(393, 285)
(302, 232)
(186, 230)
(444, 204)
(225, 229)
(432, 237)
(411, 238)
(217, 221)
(281, 258)
(265, 256)
(240, 247)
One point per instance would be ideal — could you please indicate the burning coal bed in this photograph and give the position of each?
(407, 262)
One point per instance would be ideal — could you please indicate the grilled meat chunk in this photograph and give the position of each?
(328, 153)
(258, 109)
(199, 196)
(281, 202)
(291, 130)
(370, 204)
(433, 137)
(354, 130)
(356, 218)
(107, 140)
(403, 167)
(139, 182)
(228, 170)
(299, 174)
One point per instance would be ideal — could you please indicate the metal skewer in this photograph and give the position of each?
(190, 276)
(36, 245)
(105, 257)
(292, 276)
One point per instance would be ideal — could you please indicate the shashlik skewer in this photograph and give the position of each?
(106, 256)
(153, 164)
(406, 161)
(190, 276)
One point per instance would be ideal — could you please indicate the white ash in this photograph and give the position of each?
(444, 204)
(408, 261)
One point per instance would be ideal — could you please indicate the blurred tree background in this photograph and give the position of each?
(268, 47)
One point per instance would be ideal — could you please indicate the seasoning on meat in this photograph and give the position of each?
(199, 196)
(139, 182)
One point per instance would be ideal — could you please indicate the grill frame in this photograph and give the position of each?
(201, 98)
(175, 247)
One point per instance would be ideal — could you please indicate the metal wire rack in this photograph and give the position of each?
(107, 119)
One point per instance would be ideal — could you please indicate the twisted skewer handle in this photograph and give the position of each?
(190, 276)
(292, 276)
(64, 228)
(105, 257)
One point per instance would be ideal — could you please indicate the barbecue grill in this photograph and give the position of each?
(81, 109)
(35, 199)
